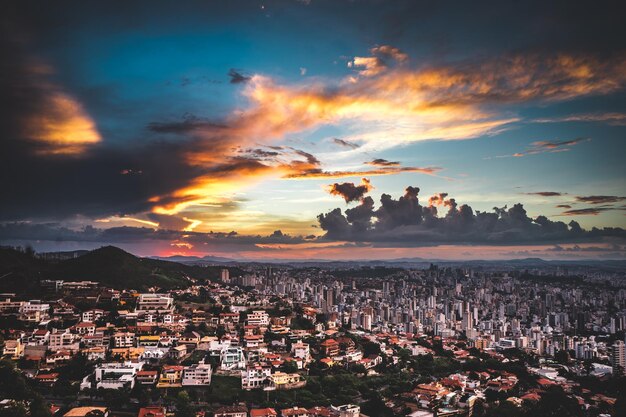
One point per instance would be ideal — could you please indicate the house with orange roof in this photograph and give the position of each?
(263, 412)
(329, 347)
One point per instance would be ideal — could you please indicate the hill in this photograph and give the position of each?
(108, 265)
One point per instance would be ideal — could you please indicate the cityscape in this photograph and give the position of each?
(312, 208)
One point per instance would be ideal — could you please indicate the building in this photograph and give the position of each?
(263, 412)
(92, 315)
(618, 358)
(197, 375)
(232, 358)
(152, 411)
(112, 375)
(147, 377)
(124, 339)
(34, 310)
(171, 376)
(63, 340)
(87, 411)
(225, 276)
(301, 351)
(348, 410)
(13, 348)
(258, 318)
(282, 381)
(255, 376)
(294, 412)
(232, 411)
(329, 347)
(155, 303)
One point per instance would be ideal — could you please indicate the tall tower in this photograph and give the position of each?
(225, 276)
(618, 358)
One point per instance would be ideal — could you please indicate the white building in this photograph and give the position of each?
(347, 410)
(254, 376)
(258, 318)
(63, 340)
(232, 358)
(124, 339)
(92, 315)
(197, 374)
(155, 303)
(301, 351)
(112, 376)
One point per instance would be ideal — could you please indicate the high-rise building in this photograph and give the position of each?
(618, 358)
(225, 276)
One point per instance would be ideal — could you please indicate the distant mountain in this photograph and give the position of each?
(194, 259)
(108, 265)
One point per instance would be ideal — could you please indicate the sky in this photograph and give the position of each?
(314, 129)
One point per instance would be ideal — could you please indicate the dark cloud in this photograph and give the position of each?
(345, 143)
(600, 199)
(383, 163)
(593, 211)
(262, 153)
(576, 248)
(349, 191)
(189, 124)
(311, 159)
(405, 221)
(315, 172)
(236, 77)
(550, 147)
(546, 193)
(567, 206)
(54, 232)
(169, 222)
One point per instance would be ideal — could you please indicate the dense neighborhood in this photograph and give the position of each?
(319, 342)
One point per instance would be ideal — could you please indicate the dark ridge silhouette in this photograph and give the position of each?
(109, 265)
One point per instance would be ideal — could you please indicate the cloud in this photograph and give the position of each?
(611, 118)
(396, 105)
(389, 52)
(593, 211)
(437, 199)
(544, 146)
(197, 161)
(383, 163)
(318, 173)
(349, 191)
(600, 199)
(546, 193)
(169, 222)
(577, 248)
(567, 206)
(405, 222)
(382, 57)
(345, 143)
(288, 163)
(236, 77)
(37, 110)
(54, 232)
(189, 124)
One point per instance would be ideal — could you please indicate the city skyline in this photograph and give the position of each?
(315, 129)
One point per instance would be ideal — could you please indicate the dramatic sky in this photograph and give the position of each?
(322, 129)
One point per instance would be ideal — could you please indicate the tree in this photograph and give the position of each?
(38, 407)
(183, 408)
(289, 367)
(371, 348)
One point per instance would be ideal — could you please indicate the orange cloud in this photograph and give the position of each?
(371, 172)
(63, 126)
(389, 105)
